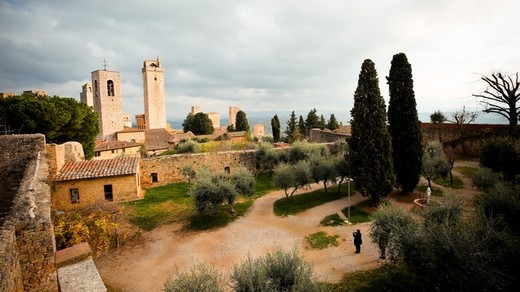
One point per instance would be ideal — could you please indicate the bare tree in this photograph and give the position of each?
(461, 118)
(501, 97)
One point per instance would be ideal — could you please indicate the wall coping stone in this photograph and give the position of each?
(81, 276)
(73, 254)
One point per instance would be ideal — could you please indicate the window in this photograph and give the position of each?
(110, 88)
(95, 87)
(113, 151)
(74, 196)
(227, 169)
(109, 196)
(97, 153)
(154, 177)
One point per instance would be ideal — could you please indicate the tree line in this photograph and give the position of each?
(59, 119)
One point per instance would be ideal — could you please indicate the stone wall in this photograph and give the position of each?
(27, 238)
(167, 169)
(60, 154)
(325, 136)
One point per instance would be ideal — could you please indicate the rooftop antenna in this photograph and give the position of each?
(105, 64)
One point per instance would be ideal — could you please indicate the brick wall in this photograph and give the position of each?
(27, 238)
(168, 168)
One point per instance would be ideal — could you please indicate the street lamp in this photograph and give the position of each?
(349, 180)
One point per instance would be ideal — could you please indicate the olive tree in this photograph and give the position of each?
(292, 176)
(198, 278)
(385, 224)
(434, 162)
(211, 190)
(275, 271)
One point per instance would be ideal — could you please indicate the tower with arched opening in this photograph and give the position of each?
(108, 102)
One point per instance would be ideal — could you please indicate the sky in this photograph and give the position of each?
(265, 55)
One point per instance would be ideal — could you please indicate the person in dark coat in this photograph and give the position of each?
(357, 240)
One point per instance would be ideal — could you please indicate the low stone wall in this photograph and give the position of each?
(326, 136)
(27, 238)
(167, 169)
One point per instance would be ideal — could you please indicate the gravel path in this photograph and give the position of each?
(165, 250)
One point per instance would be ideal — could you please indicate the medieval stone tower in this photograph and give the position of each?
(233, 110)
(108, 102)
(86, 95)
(154, 100)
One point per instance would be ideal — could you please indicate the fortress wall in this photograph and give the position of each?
(168, 168)
(26, 234)
(321, 136)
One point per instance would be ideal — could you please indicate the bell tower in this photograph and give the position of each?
(154, 100)
(108, 102)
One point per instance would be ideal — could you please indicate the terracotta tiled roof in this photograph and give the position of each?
(156, 139)
(176, 138)
(108, 145)
(98, 168)
(237, 134)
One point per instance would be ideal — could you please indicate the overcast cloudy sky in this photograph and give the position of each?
(265, 55)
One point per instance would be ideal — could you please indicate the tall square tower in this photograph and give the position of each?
(108, 102)
(233, 110)
(86, 95)
(154, 100)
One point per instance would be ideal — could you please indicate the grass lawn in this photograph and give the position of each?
(332, 220)
(320, 240)
(445, 182)
(302, 202)
(357, 213)
(385, 278)
(467, 170)
(172, 203)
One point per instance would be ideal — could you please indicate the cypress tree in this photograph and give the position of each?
(291, 127)
(404, 125)
(312, 121)
(241, 122)
(370, 147)
(302, 128)
(275, 125)
(333, 123)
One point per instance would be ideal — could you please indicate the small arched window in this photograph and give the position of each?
(110, 88)
(227, 169)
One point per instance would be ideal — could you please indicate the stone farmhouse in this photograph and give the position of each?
(111, 149)
(105, 180)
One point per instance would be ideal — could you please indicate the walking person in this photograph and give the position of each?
(357, 240)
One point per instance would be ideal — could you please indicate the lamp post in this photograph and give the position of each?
(348, 181)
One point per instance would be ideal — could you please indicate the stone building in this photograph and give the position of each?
(85, 182)
(111, 149)
(108, 102)
(215, 119)
(87, 96)
(195, 109)
(233, 110)
(154, 100)
(258, 131)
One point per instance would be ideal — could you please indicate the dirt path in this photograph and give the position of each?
(145, 266)
(163, 251)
